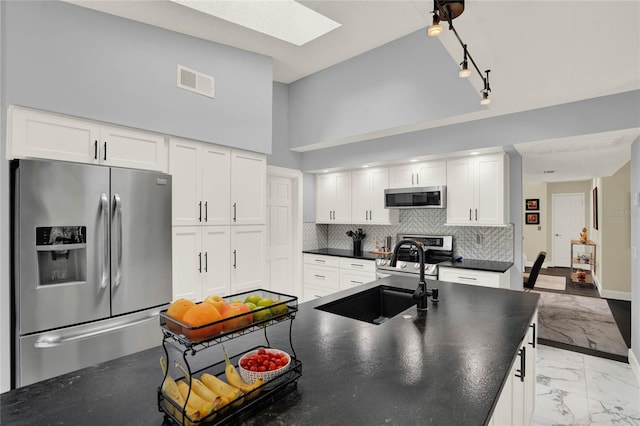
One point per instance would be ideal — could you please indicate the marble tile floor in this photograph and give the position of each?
(578, 389)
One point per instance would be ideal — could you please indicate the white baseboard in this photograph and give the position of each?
(635, 366)
(612, 294)
(530, 264)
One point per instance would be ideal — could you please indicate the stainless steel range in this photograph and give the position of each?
(438, 248)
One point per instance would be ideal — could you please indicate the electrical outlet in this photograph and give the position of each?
(634, 253)
(479, 239)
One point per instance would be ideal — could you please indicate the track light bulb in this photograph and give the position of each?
(435, 29)
(464, 72)
(485, 99)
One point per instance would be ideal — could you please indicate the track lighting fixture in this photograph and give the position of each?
(448, 10)
(435, 29)
(464, 72)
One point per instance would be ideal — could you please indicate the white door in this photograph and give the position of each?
(342, 206)
(489, 192)
(432, 173)
(216, 188)
(379, 182)
(248, 188)
(402, 176)
(568, 221)
(133, 148)
(360, 196)
(186, 275)
(216, 269)
(325, 194)
(461, 190)
(248, 247)
(280, 229)
(185, 170)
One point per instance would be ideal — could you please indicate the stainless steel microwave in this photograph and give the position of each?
(426, 197)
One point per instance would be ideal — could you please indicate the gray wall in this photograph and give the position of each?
(384, 88)
(635, 242)
(76, 61)
(614, 112)
(309, 197)
(281, 155)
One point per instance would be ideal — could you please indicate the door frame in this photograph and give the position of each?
(553, 224)
(296, 219)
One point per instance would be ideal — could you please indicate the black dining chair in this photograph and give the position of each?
(529, 280)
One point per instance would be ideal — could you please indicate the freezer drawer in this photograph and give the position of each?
(45, 355)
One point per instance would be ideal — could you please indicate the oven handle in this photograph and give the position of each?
(104, 204)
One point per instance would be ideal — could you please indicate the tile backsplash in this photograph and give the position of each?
(470, 242)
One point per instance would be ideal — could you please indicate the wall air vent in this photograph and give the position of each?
(548, 172)
(195, 81)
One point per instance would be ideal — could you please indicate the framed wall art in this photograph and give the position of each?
(532, 203)
(532, 218)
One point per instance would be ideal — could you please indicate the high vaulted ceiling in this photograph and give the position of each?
(541, 53)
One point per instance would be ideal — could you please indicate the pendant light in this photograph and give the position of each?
(435, 29)
(464, 72)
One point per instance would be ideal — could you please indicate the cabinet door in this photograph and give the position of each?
(247, 257)
(133, 149)
(184, 166)
(432, 173)
(402, 176)
(342, 204)
(530, 378)
(360, 196)
(379, 182)
(248, 188)
(490, 194)
(460, 190)
(216, 258)
(186, 271)
(37, 134)
(216, 185)
(325, 196)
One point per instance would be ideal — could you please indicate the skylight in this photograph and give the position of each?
(283, 19)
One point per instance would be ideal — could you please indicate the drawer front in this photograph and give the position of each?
(322, 277)
(358, 265)
(350, 279)
(316, 259)
(311, 292)
(467, 276)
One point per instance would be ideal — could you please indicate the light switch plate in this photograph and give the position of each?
(635, 199)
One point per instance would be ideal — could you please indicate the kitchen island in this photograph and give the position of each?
(447, 366)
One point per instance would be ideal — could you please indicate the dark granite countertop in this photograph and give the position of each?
(445, 367)
(481, 265)
(345, 253)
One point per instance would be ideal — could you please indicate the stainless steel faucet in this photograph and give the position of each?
(421, 294)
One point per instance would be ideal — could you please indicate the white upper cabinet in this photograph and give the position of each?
(37, 134)
(333, 198)
(367, 197)
(477, 190)
(201, 183)
(248, 188)
(430, 173)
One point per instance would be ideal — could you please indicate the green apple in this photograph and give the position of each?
(254, 298)
(251, 306)
(279, 308)
(265, 302)
(261, 314)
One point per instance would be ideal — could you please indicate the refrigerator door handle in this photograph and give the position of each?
(104, 204)
(118, 213)
(49, 341)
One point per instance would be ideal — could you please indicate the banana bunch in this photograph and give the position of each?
(234, 379)
(196, 407)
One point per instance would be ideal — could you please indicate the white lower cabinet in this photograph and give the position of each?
(218, 260)
(474, 277)
(518, 398)
(324, 275)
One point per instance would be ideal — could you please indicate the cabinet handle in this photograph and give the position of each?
(357, 265)
(355, 282)
(523, 354)
(200, 211)
(534, 335)
(319, 260)
(206, 262)
(234, 211)
(95, 149)
(411, 178)
(468, 278)
(417, 179)
(234, 260)
(206, 211)
(319, 276)
(469, 215)
(200, 262)
(476, 215)
(370, 214)
(366, 215)
(105, 151)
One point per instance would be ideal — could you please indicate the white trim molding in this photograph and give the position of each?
(612, 294)
(635, 365)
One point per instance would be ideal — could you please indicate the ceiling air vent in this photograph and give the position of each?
(195, 81)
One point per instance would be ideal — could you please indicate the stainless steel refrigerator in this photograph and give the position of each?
(92, 264)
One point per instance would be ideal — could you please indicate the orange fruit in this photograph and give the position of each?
(176, 310)
(199, 315)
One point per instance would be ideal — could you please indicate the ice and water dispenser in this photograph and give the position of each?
(62, 254)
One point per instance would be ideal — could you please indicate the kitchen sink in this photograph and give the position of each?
(375, 306)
